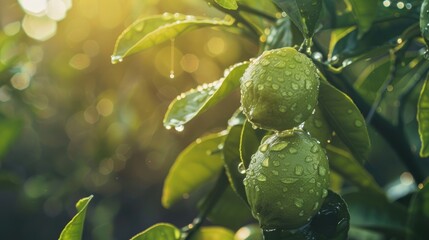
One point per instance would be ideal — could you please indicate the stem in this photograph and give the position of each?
(207, 205)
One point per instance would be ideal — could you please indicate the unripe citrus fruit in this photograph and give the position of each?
(279, 89)
(318, 127)
(287, 180)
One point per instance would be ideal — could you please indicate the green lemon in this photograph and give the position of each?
(287, 180)
(279, 89)
(318, 127)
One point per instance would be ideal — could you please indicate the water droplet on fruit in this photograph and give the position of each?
(285, 189)
(279, 146)
(298, 202)
(287, 73)
(298, 58)
(299, 170)
(275, 172)
(293, 107)
(282, 109)
(358, 123)
(280, 64)
(265, 62)
(313, 180)
(308, 159)
(301, 213)
(293, 150)
(316, 205)
(257, 188)
(241, 168)
(315, 166)
(322, 171)
(275, 86)
(292, 66)
(295, 86)
(349, 111)
(260, 87)
(263, 148)
(307, 84)
(276, 163)
(261, 177)
(269, 78)
(298, 118)
(314, 148)
(289, 180)
(324, 193)
(311, 191)
(266, 162)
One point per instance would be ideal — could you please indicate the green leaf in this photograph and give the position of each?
(227, 4)
(148, 32)
(9, 131)
(230, 211)
(200, 162)
(418, 214)
(346, 120)
(213, 233)
(280, 35)
(365, 12)
(304, 13)
(73, 230)
(231, 155)
(249, 142)
(374, 212)
(424, 20)
(423, 118)
(343, 162)
(336, 36)
(164, 231)
(257, 22)
(194, 102)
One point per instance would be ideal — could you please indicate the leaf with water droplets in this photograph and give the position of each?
(73, 230)
(424, 21)
(249, 142)
(349, 125)
(423, 118)
(193, 167)
(163, 231)
(365, 12)
(194, 102)
(304, 13)
(147, 32)
(227, 4)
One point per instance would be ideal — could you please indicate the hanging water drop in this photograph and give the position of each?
(358, 123)
(179, 128)
(116, 59)
(172, 58)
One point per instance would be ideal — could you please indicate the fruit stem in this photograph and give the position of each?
(208, 203)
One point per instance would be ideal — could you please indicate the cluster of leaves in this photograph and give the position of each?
(373, 60)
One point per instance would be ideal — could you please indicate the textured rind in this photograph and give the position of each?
(287, 180)
(279, 89)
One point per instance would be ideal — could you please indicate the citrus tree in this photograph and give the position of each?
(328, 74)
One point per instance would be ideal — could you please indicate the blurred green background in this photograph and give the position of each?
(72, 124)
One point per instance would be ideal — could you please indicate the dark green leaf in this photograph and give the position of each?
(336, 36)
(423, 119)
(230, 211)
(418, 214)
(424, 20)
(164, 231)
(190, 104)
(267, 7)
(343, 162)
(374, 212)
(227, 4)
(148, 32)
(10, 181)
(9, 130)
(249, 142)
(283, 34)
(198, 163)
(213, 233)
(231, 154)
(365, 12)
(304, 13)
(238, 118)
(346, 120)
(73, 230)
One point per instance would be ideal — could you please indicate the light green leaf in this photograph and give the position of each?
(423, 118)
(9, 131)
(164, 231)
(304, 13)
(230, 211)
(213, 233)
(148, 32)
(418, 214)
(346, 120)
(374, 212)
(190, 104)
(249, 142)
(227, 4)
(424, 20)
(73, 230)
(200, 162)
(336, 36)
(343, 162)
(365, 12)
(231, 154)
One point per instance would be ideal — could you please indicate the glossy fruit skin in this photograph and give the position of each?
(287, 180)
(279, 89)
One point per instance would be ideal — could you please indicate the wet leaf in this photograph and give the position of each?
(227, 4)
(258, 22)
(374, 212)
(164, 231)
(418, 214)
(200, 162)
(213, 233)
(337, 35)
(281, 35)
(365, 12)
(73, 230)
(423, 118)
(194, 102)
(424, 20)
(151, 31)
(346, 120)
(249, 142)
(304, 13)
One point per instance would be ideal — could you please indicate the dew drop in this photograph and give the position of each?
(314, 148)
(301, 213)
(318, 123)
(307, 84)
(298, 58)
(282, 109)
(324, 193)
(266, 162)
(263, 148)
(168, 127)
(276, 163)
(299, 170)
(261, 177)
(179, 128)
(322, 171)
(116, 59)
(292, 66)
(280, 64)
(269, 78)
(290, 94)
(301, 189)
(298, 202)
(313, 180)
(295, 86)
(275, 86)
(260, 87)
(279, 146)
(308, 159)
(257, 188)
(358, 123)
(293, 150)
(172, 58)
(349, 111)
(315, 166)
(311, 191)
(289, 180)
(287, 73)
(293, 107)
(241, 168)
(316, 205)
(298, 118)
(265, 62)
(285, 189)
